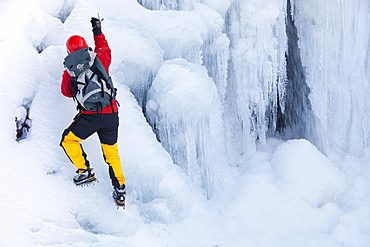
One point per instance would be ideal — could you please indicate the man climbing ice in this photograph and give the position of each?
(86, 79)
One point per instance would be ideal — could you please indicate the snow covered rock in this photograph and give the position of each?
(304, 172)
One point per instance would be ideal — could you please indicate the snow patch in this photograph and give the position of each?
(304, 172)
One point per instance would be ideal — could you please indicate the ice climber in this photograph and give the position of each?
(103, 121)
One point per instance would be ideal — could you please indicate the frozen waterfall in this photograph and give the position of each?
(335, 50)
(282, 69)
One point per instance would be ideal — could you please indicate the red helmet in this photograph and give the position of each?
(75, 43)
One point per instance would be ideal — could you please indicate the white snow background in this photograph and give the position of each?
(209, 182)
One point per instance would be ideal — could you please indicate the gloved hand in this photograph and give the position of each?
(96, 25)
(95, 22)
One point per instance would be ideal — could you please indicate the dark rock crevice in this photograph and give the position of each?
(23, 122)
(297, 119)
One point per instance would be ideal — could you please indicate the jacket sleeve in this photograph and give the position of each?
(103, 51)
(66, 84)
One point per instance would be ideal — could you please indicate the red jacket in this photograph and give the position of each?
(104, 54)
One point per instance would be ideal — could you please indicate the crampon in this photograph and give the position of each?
(84, 177)
(88, 182)
(121, 205)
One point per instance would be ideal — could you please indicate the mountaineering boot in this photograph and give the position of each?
(119, 195)
(83, 177)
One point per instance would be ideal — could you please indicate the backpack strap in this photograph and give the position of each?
(98, 69)
(74, 91)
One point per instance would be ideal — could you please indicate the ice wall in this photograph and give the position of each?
(167, 4)
(334, 42)
(186, 113)
(185, 100)
(242, 45)
(256, 71)
(285, 69)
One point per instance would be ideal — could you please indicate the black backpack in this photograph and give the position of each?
(91, 85)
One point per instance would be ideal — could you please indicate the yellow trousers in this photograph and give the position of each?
(106, 128)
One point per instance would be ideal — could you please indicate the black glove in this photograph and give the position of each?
(95, 22)
(96, 25)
